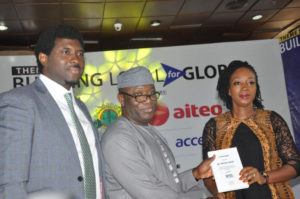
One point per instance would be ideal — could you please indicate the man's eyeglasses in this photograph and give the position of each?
(143, 98)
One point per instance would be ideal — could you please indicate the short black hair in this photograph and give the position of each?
(47, 39)
(224, 84)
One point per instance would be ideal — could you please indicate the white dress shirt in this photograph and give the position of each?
(57, 91)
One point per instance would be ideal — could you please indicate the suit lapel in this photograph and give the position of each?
(57, 117)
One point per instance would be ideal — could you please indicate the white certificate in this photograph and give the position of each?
(226, 168)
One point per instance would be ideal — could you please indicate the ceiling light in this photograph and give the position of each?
(257, 17)
(2, 28)
(185, 26)
(147, 39)
(90, 42)
(155, 23)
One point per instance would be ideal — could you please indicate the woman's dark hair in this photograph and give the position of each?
(47, 39)
(224, 84)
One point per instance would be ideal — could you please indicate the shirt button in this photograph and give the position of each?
(168, 160)
(170, 167)
(80, 178)
(165, 154)
(176, 180)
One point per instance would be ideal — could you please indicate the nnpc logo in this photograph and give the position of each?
(105, 115)
(192, 72)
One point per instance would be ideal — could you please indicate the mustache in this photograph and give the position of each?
(153, 107)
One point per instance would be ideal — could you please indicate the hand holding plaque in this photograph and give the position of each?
(226, 168)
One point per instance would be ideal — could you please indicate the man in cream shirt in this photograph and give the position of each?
(139, 162)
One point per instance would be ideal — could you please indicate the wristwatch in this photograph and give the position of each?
(265, 174)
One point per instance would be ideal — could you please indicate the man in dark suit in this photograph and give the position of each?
(47, 137)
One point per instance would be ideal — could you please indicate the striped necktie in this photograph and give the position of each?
(89, 172)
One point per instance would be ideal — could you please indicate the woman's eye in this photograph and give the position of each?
(252, 83)
(236, 83)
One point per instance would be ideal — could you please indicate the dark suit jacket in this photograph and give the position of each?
(37, 151)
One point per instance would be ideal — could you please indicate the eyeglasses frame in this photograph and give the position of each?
(156, 94)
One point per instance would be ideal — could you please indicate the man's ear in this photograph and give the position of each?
(121, 99)
(43, 59)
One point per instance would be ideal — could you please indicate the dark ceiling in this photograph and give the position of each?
(182, 21)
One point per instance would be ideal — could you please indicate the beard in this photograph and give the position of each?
(73, 82)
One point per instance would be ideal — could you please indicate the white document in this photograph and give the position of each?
(226, 168)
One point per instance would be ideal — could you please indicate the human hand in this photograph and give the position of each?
(220, 196)
(203, 170)
(252, 175)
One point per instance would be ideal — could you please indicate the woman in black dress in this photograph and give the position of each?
(264, 142)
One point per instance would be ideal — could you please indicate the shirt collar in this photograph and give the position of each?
(56, 90)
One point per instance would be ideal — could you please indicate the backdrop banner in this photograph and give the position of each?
(185, 76)
(290, 52)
